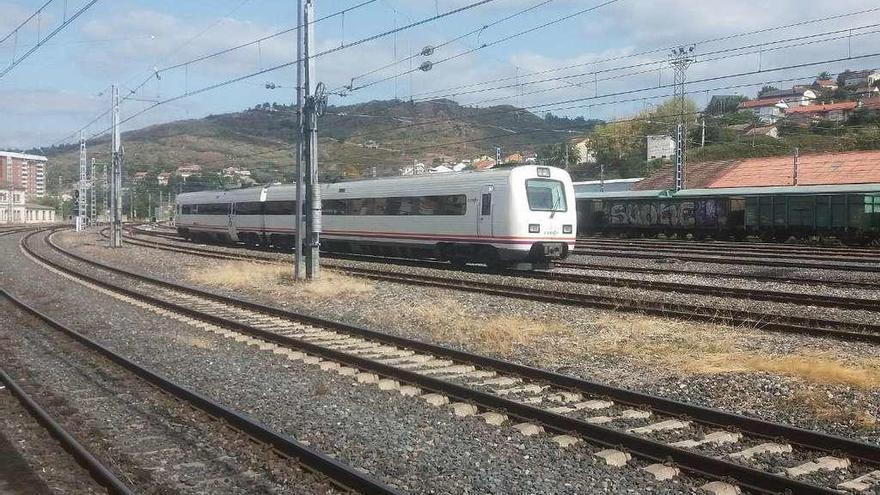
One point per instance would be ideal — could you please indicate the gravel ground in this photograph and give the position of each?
(819, 402)
(31, 461)
(853, 317)
(153, 443)
(671, 263)
(677, 277)
(407, 443)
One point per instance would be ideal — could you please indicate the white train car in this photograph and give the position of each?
(498, 217)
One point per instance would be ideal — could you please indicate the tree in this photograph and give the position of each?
(767, 89)
(824, 75)
(554, 154)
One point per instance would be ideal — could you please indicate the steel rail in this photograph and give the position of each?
(694, 463)
(98, 471)
(335, 471)
(604, 252)
(764, 321)
(730, 252)
(739, 245)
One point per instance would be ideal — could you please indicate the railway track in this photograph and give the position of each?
(665, 436)
(730, 259)
(745, 246)
(99, 472)
(768, 321)
(344, 477)
(594, 266)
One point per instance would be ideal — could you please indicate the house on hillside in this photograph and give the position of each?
(767, 110)
(188, 169)
(861, 78)
(798, 95)
(164, 178)
(863, 92)
(513, 158)
(836, 112)
(484, 163)
(139, 177)
(660, 147)
(585, 150)
(825, 84)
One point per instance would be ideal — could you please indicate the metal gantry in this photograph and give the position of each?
(83, 189)
(680, 59)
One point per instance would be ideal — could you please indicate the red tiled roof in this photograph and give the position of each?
(823, 108)
(856, 167)
(871, 104)
(766, 102)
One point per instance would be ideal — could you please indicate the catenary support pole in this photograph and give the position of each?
(313, 191)
(299, 266)
(116, 176)
(82, 197)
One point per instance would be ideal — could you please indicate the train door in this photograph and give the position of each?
(485, 224)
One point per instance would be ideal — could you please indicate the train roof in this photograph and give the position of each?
(374, 185)
(735, 191)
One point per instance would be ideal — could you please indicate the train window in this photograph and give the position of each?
(397, 206)
(187, 209)
(280, 208)
(249, 208)
(486, 205)
(546, 195)
(212, 209)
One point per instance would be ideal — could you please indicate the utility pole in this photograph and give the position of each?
(116, 176)
(82, 200)
(566, 153)
(680, 59)
(794, 173)
(313, 107)
(703, 139)
(105, 178)
(93, 195)
(497, 155)
(299, 266)
(601, 177)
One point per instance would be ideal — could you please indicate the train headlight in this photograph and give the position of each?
(534, 228)
(543, 172)
(567, 229)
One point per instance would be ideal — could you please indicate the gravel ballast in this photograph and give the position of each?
(403, 441)
(832, 407)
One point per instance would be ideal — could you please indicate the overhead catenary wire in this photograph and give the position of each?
(493, 43)
(639, 90)
(361, 41)
(663, 50)
(49, 36)
(288, 64)
(26, 21)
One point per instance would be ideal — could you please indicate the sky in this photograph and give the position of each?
(572, 57)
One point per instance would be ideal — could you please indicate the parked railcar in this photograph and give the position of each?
(848, 212)
(514, 215)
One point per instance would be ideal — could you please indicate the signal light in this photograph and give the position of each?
(567, 229)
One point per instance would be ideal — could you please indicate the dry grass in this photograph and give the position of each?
(278, 280)
(684, 347)
(824, 406)
(447, 321)
(707, 349)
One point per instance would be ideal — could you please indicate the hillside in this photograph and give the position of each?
(353, 139)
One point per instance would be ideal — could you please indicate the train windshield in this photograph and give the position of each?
(546, 195)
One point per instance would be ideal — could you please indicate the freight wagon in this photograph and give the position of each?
(848, 212)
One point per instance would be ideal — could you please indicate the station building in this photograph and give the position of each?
(14, 209)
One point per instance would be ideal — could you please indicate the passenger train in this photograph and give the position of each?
(500, 217)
